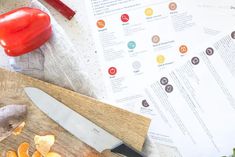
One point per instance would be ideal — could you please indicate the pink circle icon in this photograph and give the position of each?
(125, 18)
(112, 71)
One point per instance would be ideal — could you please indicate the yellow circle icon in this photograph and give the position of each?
(149, 12)
(160, 59)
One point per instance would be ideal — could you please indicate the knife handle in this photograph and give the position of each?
(126, 151)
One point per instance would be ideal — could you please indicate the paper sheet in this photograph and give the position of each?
(198, 100)
(136, 41)
(132, 40)
(214, 15)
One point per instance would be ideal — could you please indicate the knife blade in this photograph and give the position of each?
(79, 126)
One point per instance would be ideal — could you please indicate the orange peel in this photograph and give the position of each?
(19, 129)
(11, 153)
(37, 154)
(23, 150)
(53, 154)
(44, 143)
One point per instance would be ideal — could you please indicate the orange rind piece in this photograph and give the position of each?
(37, 154)
(23, 150)
(19, 129)
(53, 154)
(44, 143)
(11, 153)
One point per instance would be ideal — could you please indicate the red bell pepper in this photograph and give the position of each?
(23, 30)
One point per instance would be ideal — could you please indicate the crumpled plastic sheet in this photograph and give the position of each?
(57, 61)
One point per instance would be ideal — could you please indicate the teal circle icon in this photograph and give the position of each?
(131, 45)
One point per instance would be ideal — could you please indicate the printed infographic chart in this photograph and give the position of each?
(135, 37)
(137, 40)
(197, 100)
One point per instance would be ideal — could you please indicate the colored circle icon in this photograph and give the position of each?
(145, 103)
(209, 51)
(125, 18)
(195, 60)
(100, 23)
(112, 71)
(172, 6)
(148, 12)
(136, 65)
(155, 39)
(160, 59)
(169, 88)
(233, 35)
(131, 45)
(164, 81)
(183, 49)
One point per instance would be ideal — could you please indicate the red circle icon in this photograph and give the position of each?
(125, 18)
(112, 70)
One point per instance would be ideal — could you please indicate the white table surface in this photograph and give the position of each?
(79, 32)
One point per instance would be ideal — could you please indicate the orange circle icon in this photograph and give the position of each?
(100, 23)
(183, 49)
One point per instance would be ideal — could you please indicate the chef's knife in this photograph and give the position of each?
(78, 125)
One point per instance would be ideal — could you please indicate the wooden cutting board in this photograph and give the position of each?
(129, 127)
